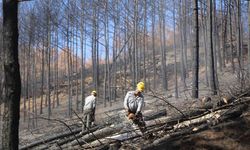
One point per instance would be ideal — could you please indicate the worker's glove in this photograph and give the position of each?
(131, 116)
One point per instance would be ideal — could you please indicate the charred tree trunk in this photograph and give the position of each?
(68, 66)
(248, 39)
(153, 44)
(145, 41)
(106, 70)
(212, 80)
(204, 30)
(82, 56)
(12, 81)
(231, 34)
(163, 46)
(183, 67)
(42, 74)
(175, 57)
(195, 85)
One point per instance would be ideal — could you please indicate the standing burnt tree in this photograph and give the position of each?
(196, 52)
(248, 39)
(211, 61)
(12, 81)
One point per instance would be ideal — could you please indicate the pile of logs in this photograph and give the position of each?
(71, 138)
(161, 128)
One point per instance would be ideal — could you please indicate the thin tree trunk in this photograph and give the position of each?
(195, 83)
(33, 88)
(248, 38)
(68, 67)
(224, 34)
(82, 55)
(48, 64)
(217, 39)
(106, 54)
(204, 31)
(184, 29)
(136, 57)
(239, 47)
(94, 45)
(163, 47)
(114, 63)
(145, 41)
(97, 55)
(231, 34)
(153, 44)
(175, 55)
(183, 68)
(27, 85)
(42, 74)
(212, 83)
(215, 44)
(76, 69)
(56, 74)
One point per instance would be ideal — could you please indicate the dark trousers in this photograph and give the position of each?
(88, 118)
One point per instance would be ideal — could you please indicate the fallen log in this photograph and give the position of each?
(171, 122)
(197, 113)
(122, 136)
(188, 114)
(168, 123)
(136, 133)
(63, 141)
(155, 115)
(206, 120)
(111, 130)
(96, 135)
(181, 129)
(233, 113)
(67, 137)
(226, 99)
(57, 136)
(229, 98)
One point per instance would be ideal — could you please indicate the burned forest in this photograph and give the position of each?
(125, 74)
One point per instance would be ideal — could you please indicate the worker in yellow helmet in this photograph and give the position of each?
(133, 104)
(89, 110)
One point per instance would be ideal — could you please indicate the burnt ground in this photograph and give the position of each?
(231, 135)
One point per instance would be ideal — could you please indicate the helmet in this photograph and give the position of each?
(131, 116)
(140, 86)
(94, 93)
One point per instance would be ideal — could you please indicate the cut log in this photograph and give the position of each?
(96, 135)
(180, 118)
(123, 135)
(113, 129)
(204, 122)
(57, 136)
(136, 133)
(225, 100)
(63, 141)
(233, 113)
(67, 137)
(154, 115)
(184, 128)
